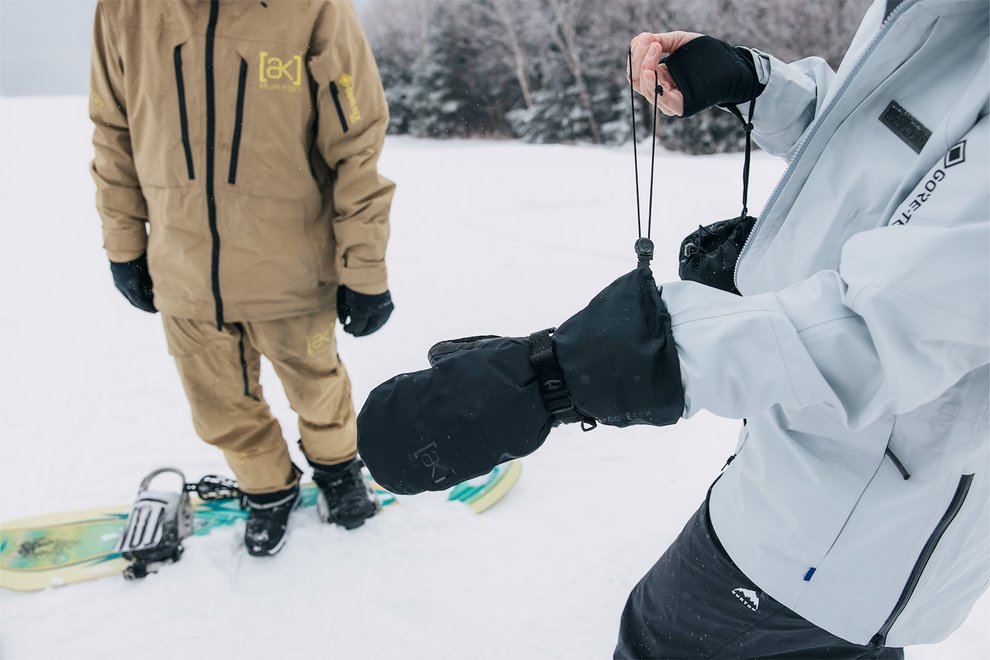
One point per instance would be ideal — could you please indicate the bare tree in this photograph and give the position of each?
(564, 16)
(554, 70)
(506, 21)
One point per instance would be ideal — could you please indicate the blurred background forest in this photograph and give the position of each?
(554, 70)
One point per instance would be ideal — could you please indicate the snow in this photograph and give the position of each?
(488, 237)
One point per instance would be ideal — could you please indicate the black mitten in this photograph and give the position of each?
(475, 408)
(619, 358)
(487, 400)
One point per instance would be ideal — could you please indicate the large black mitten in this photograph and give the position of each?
(475, 408)
(486, 400)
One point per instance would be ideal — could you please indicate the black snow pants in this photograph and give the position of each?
(695, 603)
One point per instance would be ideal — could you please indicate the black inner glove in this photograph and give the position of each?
(710, 72)
(362, 314)
(133, 280)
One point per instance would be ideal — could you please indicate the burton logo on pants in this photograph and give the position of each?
(747, 597)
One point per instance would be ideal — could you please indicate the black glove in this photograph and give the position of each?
(710, 72)
(487, 400)
(362, 314)
(134, 281)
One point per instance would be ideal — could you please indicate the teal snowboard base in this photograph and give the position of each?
(63, 548)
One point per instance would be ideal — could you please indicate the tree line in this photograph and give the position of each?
(554, 70)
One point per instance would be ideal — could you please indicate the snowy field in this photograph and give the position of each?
(487, 238)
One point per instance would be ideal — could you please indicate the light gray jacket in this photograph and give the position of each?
(859, 352)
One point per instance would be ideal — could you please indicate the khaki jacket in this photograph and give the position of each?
(236, 142)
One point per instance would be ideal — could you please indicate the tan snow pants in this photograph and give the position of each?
(220, 372)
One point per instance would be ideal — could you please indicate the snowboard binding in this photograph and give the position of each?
(161, 519)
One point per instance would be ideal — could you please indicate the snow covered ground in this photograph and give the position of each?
(487, 238)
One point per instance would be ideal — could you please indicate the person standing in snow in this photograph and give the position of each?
(853, 519)
(236, 149)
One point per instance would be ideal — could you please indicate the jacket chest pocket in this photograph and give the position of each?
(165, 112)
(263, 119)
(182, 110)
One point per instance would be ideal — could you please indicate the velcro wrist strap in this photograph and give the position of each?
(556, 398)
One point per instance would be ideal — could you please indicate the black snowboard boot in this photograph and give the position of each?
(268, 516)
(345, 498)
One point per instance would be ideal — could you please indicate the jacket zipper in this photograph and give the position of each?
(238, 122)
(211, 128)
(880, 639)
(897, 464)
(335, 93)
(183, 116)
(813, 129)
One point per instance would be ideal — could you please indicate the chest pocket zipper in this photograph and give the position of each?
(183, 116)
(235, 145)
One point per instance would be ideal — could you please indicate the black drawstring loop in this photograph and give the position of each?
(748, 129)
(644, 245)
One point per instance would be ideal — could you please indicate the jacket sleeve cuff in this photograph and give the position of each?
(123, 246)
(368, 278)
(738, 355)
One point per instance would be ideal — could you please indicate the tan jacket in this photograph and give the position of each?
(245, 133)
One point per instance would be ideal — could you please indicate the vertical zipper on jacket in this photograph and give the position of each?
(211, 129)
(880, 639)
(238, 122)
(810, 132)
(183, 116)
(335, 93)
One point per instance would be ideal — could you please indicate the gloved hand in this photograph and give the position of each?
(134, 281)
(487, 400)
(708, 72)
(362, 314)
(699, 72)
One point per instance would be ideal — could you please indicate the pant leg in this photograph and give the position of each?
(303, 351)
(220, 372)
(695, 603)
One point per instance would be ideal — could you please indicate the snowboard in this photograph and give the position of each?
(64, 548)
